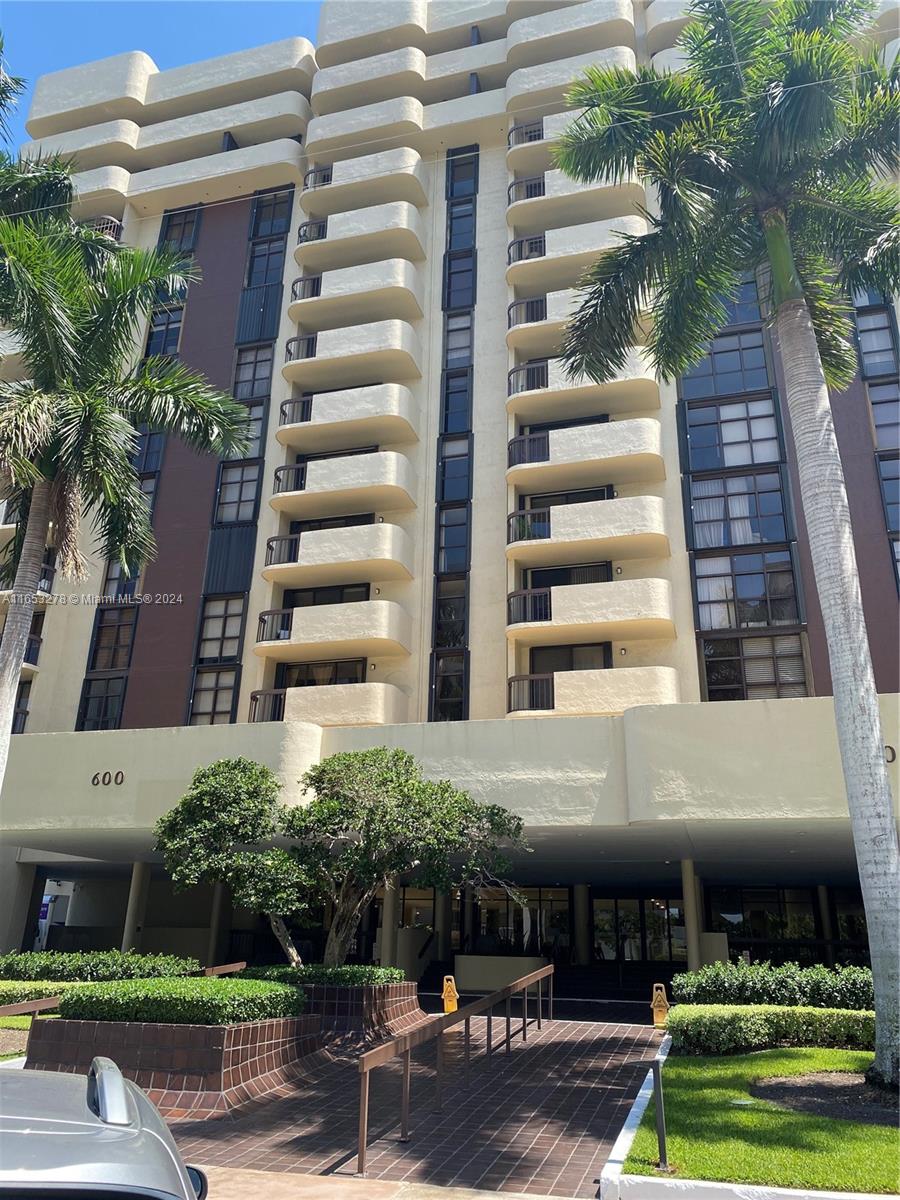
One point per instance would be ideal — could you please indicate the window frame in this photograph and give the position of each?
(771, 633)
(215, 669)
(132, 609)
(102, 678)
(227, 464)
(732, 553)
(163, 241)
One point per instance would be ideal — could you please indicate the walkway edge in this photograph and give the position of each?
(646, 1187)
(611, 1174)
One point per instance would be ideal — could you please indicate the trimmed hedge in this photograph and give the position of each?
(761, 983)
(203, 1001)
(737, 1028)
(15, 991)
(93, 965)
(348, 976)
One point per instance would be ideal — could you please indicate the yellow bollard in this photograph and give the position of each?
(449, 994)
(660, 1006)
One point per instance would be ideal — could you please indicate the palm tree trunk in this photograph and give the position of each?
(856, 711)
(281, 931)
(20, 611)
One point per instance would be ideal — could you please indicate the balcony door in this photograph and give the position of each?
(548, 577)
(546, 660)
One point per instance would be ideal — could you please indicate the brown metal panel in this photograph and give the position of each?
(162, 661)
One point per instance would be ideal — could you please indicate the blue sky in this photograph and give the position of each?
(47, 35)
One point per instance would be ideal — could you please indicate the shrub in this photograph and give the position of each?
(93, 965)
(16, 991)
(201, 1001)
(347, 976)
(736, 1028)
(761, 983)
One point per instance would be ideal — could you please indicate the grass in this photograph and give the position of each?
(711, 1138)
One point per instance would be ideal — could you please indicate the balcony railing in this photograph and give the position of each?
(527, 377)
(32, 649)
(529, 448)
(524, 132)
(524, 248)
(533, 604)
(107, 225)
(274, 625)
(318, 177)
(307, 287)
(285, 549)
(291, 478)
(297, 348)
(528, 525)
(311, 231)
(268, 705)
(524, 312)
(526, 189)
(295, 412)
(526, 692)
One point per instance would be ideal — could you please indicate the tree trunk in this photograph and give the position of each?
(281, 931)
(20, 610)
(347, 911)
(856, 709)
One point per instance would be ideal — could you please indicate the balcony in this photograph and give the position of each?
(595, 25)
(373, 179)
(536, 323)
(541, 390)
(591, 693)
(383, 414)
(594, 531)
(551, 198)
(328, 556)
(548, 262)
(665, 21)
(357, 355)
(362, 629)
(365, 235)
(334, 487)
(355, 295)
(335, 134)
(580, 456)
(617, 611)
(548, 83)
(334, 704)
(529, 142)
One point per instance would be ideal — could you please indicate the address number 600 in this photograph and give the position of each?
(105, 778)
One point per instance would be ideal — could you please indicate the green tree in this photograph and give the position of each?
(764, 154)
(223, 831)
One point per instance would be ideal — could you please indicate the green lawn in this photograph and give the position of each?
(712, 1138)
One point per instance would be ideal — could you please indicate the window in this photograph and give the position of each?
(877, 350)
(457, 401)
(332, 522)
(738, 510)
(748, 914)
(117, 585)
(253, 373)
(545, 577)
(454, 464)
(348, 593)
(545, 660)
(101, 703)
(745, 308)
(461, 224)
(458, 340)
(462, 172)
(238, 491)
(885, 401)
(147, 485)
(746, 591)
(889, 473)
(582, 496)
(736, 362)
(256, 421)
(271, 214)
(148, 455)
(571, 423)
(179, 230)
(20, 712)
(165, 331)
(113, 636)
(213, 700)
(320, 674)
(459, 279)
(448, 701)
(220, 629)
(266, 262)
(754, 668)
(450, 603)
(453, 539)
(734, 434)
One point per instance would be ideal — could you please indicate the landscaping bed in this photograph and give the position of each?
(92, 965)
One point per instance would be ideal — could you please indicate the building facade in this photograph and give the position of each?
(546, 588)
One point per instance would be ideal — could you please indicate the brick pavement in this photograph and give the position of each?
(540, 1120)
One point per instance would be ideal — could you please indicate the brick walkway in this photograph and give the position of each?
(540, 1120)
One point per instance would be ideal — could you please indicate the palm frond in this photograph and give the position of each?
(26, 429)
(11, 87)
(831, 317)
(39, 187)
(722, 39)
(121, 524)
(841, 18)
(851, 222)
(871, 119)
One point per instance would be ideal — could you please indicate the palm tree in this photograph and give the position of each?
(76, 303)
(763, 152)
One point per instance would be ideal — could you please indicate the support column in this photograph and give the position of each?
(215, 924)
(468, 921)
(582, 918)
(691, 916)
(137, 906)
(825, 921)
(17, 884)
(389, 926)
(443, 920)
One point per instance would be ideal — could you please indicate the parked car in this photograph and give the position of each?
(100, 1138)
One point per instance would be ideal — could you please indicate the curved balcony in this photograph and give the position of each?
(535, 324)
(620, 610)
(561, 32)
(597, 530)
(357, 355)
(394, 120)
(529, 142)
(372, 179)
(362, 629)
(548, 262)
(364, 235)
(334, 487)
(548, 82)
(536, 202)
(541, 390)
(665, 21)
(591, 693)
(382, 414)
(354, 295)
(326, 556)
(582, 455)
(333, 704)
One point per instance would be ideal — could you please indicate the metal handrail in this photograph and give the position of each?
(433, 1029)
(311, 231)
(110, 226)
(300, 347)
(294, 474)
(528, 377)
(524, 312)
(530, 604)
(527, 525)
(520, 249)
(530, 188)
(295, 412)
(267, 704)
(529, 692)
(318, 177)
(528, 448)
(283, 549)
(524, 132)
(306, 287)
(274, 624)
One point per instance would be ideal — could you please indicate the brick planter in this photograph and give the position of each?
(187, 1070)
(374, 1010)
